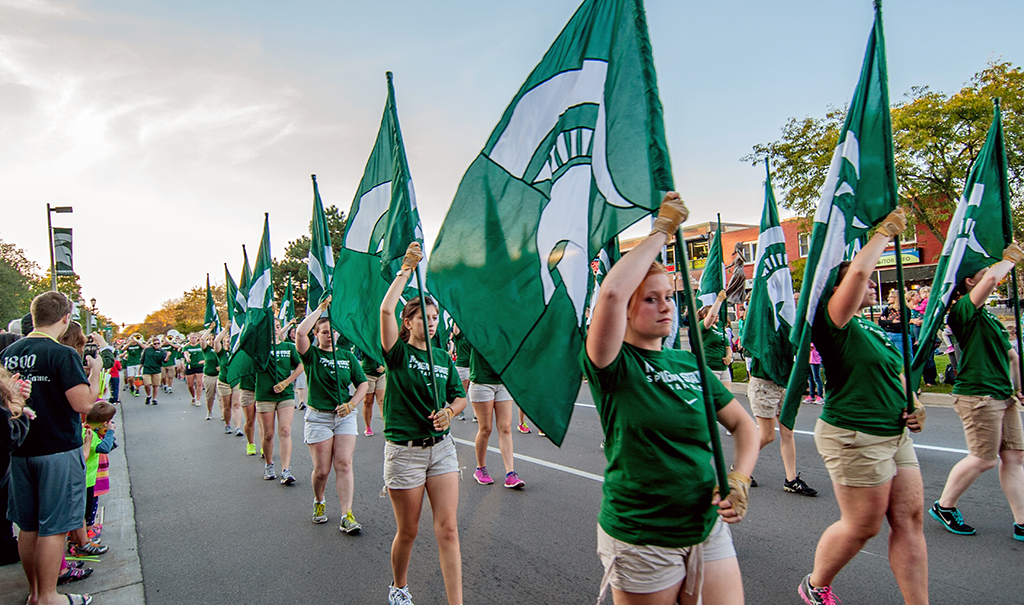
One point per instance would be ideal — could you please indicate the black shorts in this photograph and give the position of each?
(191, 371)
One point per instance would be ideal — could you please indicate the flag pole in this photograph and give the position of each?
(426, 334)
(904, 317)
(1016, 318)
(697, 346)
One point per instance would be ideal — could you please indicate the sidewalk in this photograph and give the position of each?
(117, 579)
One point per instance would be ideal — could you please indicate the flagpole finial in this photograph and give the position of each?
(767, 167)
(995, 101)
(389, 75)
(878, 4)
(314, 177)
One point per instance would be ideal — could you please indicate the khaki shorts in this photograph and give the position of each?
(643, 569)
(990, 425)
(210, 387)
(408, 467)
(479, 393)
(376, 383)
(273, 406)
(225, 390)
(765, 397)
(858, 459)
(151, 379)
(248, 397)
(322, 425)
(722, 375)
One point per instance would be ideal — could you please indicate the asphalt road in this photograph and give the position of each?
(211, 530)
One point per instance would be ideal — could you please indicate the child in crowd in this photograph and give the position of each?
(115, 382)
(16, 419)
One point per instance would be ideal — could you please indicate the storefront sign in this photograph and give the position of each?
(910, 257)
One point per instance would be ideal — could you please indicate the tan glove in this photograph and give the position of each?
(721, 296)
(671, 214)
(413, 256)
(443, 418)
(918, 416)
(345, 409)
(324, 304)
(739, 491)
(895, 223)
(1013, 253)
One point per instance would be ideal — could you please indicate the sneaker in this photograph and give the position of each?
(227, 429)
(399, 596)
(816, 596)
(268, 472)
(482, 477)
(301, 406)
(475, 420)
(753, 482)
(73, 574)
(523, 427)
(208, 416)
(169, 391)
(797, 486)
(818, 400)
(809, 399)
(286, 477)
(461, 416)
(368, 432)
(250, 449)
(1018, 532)
(541, 433)
(349, 525)
(952, 520)
(89, 549)
(319, 512)
(155, 402)
(513, 481)
(148, 400)
(239, 433)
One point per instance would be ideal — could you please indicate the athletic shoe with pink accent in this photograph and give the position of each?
(481, 476)
(513, 481)
(368, 432)
(818, 400)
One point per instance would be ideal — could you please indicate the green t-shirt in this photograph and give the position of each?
(714, 346)
(194, 355)
(369, 366)
(409, 399)
(134, 354)
(211, 365)
(328, 381)
(863, 390)
(463, 350)
(757, 371)
(222, 360)
(285, 359)
(660, 475)
(152, 360)
(247, 382)
(480, 371)
(984, 366)
(169, 361)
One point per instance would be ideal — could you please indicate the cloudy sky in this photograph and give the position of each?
(171, 127)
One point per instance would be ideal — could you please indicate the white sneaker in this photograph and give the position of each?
(399, 596)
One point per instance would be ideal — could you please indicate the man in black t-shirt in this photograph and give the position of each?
(47, 490)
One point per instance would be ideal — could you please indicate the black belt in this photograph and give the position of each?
(425, 442)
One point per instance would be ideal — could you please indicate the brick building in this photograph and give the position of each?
(921, 250)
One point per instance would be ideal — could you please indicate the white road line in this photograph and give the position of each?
(919, 446)
(586, 405)
(538, 461)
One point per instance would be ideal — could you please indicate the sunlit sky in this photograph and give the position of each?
(171, 127)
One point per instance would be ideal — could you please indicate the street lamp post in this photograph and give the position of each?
(49, 233)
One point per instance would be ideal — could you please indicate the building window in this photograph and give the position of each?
(698, 252)
(670, 258)
(805, 244)
(749, 251)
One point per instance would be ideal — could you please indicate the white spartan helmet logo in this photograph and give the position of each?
(570, 160)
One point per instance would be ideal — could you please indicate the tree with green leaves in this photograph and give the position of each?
(936, 136)
(295, 254)
(17, 278)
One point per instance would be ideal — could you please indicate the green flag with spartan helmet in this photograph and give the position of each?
(321, 255)
(286, 312)
(257, 336)
(712, 279)
(981, 228)
(211, 318)
(771, 311)
(859, 192)
(577, 157)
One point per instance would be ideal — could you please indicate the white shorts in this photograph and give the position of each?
(132, 371)
(408, 467)
(488, 392)
(723, 375)
(300, 382)
(643, 569)
(463, 373)
(322, 425)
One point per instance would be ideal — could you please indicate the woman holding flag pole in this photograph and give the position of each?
(662, 533)
(862, 433)
(419, 455)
